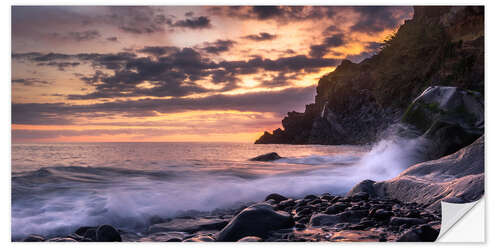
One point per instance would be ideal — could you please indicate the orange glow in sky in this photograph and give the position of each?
(101, 74)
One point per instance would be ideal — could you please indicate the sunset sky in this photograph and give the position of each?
(95, 74)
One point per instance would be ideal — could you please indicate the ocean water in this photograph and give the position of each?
(57, 188)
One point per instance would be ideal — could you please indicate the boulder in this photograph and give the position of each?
(423, 233)
(365, 186)
(267, 157)
(276, 197)
(107, 233)
(34, 238)
(457, 177)
(336, 208)
(450, 118)
(256, 220)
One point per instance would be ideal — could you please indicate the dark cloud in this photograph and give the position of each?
(159, 50)
(332, 41)
(266, 12)
(262, 36)
(201, 22)
(60, 65)
(77, 36)
(218, 46)
(135, 19)
(282, 14)
(29, 81)
(112, 39)
(285, 64)
(278, 102)
(173, 71)
(378, 18)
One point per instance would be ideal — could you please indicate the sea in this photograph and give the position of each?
(59, 187)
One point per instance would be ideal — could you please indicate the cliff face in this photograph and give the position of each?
(441, 45)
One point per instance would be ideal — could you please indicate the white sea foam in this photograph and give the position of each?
(57, 200)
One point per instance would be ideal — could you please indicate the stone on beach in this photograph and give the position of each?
(107, 233)
(256, 220)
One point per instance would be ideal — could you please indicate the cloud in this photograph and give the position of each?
(173, 72)
(159, 50)
(278, 102)
(112, 39)
(77, 36)
(282, 14)
(201, 22)
(29, 81)
(218, 46)
(262, 36)
(332, 41)
(378, 18)
(60, 65)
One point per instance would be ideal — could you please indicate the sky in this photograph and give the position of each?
(178, 73)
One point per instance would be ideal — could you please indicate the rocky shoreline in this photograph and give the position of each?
(326, 217)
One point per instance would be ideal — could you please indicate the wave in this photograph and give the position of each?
(58, 200)
(320, 159)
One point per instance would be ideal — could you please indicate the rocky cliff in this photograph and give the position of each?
(441, 45)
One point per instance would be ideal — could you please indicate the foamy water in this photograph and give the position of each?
(58, 187)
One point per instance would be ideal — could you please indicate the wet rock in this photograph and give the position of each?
(34, 238)
(276, 197)
(256, 220)
(381, 214)
(287, 203)
(450, 117)
(311, 197)
(267, 157)
(189, 225)
(107, 233)
(421, 233)
(336, 208)
(83, 230)
(406, 221)
(250, 239)
(91, 234)
(360, 196)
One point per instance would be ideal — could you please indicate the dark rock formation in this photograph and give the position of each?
(107, 233)
(423, 233)
(267, 157)
(34, 238)
(448, 117)
(456, 177)
(356, 102)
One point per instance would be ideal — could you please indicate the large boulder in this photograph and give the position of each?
(267, 157)
(256, 220)
(457, 177)
(107, 233)
(448, 117)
